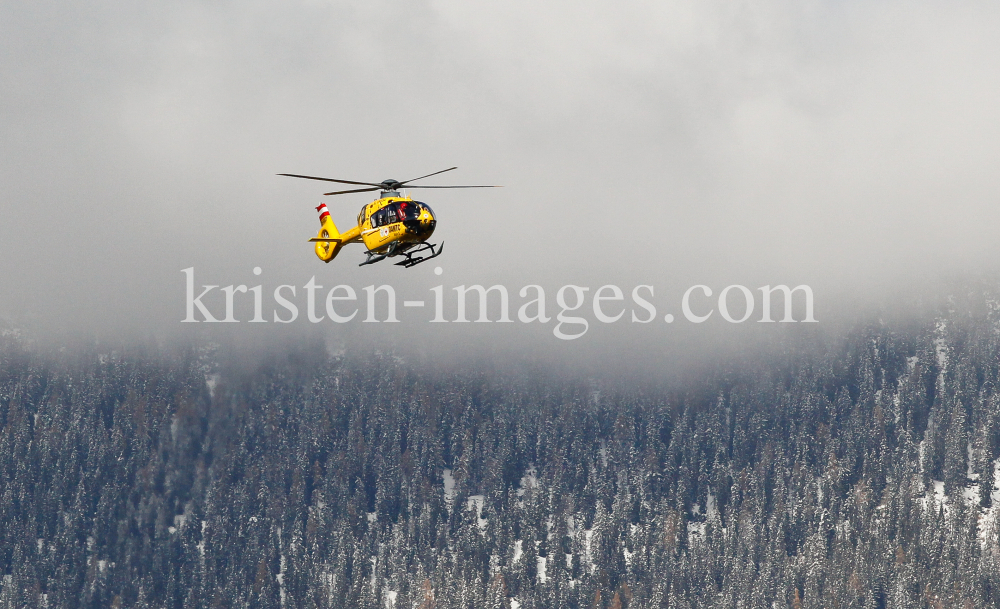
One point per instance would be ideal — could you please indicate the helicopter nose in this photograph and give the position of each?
(427, 221)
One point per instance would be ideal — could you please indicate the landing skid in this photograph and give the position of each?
(412, 259)
(413, 256)
(373, 257)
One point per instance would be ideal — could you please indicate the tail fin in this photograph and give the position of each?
(328, 242)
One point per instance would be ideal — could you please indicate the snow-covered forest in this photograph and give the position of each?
(857, 471)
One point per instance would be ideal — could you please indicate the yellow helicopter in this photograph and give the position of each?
(391, 225)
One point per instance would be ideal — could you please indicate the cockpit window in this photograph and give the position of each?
(401, 211)
(408, 210)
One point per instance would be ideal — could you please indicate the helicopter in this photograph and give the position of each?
(391, 225)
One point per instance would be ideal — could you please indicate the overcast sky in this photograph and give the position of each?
(841, 144)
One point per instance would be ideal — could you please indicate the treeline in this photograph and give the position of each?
(857, 472)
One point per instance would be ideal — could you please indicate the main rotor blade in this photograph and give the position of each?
(292, 175)
(428, 175)
(344, 192)
(454, 187)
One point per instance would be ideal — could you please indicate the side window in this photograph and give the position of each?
(391, 213)
(408, 211)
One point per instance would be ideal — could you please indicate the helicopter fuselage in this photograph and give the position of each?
(390, 225)
(395, 219)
